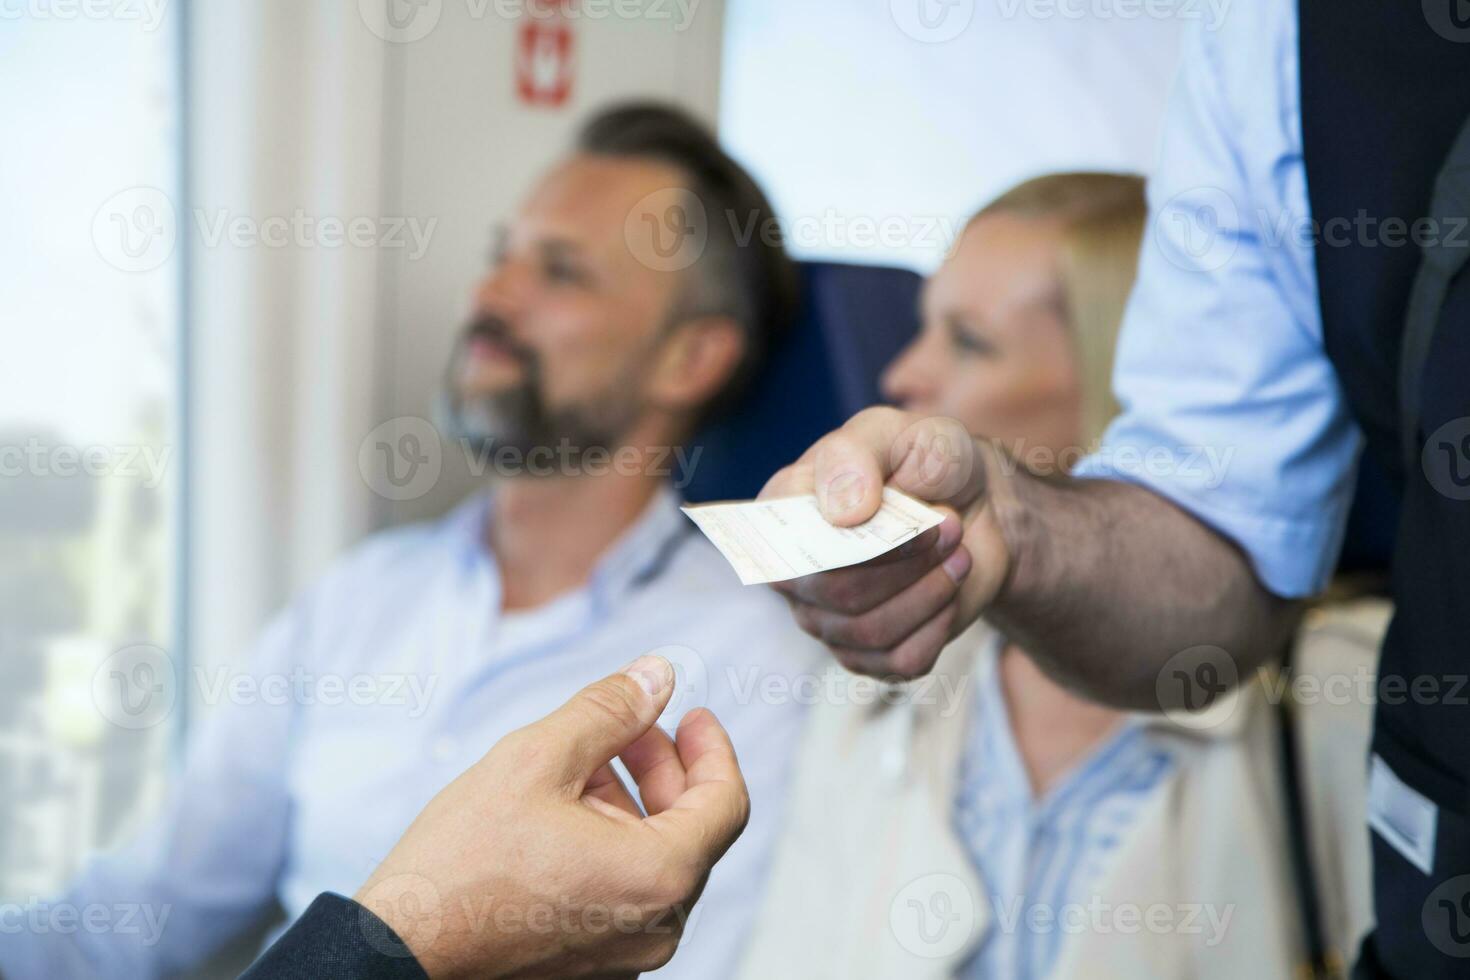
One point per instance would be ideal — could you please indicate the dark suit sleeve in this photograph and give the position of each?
(336, 937)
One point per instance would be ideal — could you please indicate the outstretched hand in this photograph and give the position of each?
(537, 861)
(891, 617)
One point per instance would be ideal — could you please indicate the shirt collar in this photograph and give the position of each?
(641, 552)
(637, 555)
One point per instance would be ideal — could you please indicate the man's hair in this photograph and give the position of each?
(754, 281)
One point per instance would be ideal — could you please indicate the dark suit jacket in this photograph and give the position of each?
(336, 937)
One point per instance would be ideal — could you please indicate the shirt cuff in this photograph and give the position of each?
(337, 937)
(1293, 557)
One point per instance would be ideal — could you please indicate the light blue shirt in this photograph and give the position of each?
(1231, 408)
(1038, 859)
(286, 797)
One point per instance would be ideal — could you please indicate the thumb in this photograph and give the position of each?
(601, 720)
(933, 459)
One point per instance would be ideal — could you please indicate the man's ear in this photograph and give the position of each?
(695, 363)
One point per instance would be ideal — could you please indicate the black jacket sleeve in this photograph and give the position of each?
(336, 937)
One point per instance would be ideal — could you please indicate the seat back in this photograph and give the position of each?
(853, 320)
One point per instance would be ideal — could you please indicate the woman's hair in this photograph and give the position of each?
(1103, 217)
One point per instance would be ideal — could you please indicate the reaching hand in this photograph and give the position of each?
(538, 862)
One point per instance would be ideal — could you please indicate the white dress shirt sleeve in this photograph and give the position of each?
(1231, 408)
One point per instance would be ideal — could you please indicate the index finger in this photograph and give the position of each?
(856, 589)
(653, 762)
(715, 805)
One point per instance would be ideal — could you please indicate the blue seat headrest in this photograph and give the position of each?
(853, 320)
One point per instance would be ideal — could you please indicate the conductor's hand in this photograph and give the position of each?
(891, 616)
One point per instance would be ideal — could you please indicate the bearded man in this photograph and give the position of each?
(623, 309)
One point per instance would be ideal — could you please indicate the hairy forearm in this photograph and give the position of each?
(1108, 581)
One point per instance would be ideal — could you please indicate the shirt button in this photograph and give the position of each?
(443, 748)
(894, 762)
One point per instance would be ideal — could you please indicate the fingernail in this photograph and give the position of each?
(958, 565)
(949, 535)
(653, 674)
(844, 492)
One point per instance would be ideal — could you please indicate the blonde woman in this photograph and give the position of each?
(987, 823)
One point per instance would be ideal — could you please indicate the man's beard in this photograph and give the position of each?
(517, 421)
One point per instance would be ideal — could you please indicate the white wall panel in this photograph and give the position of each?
(905, 115)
